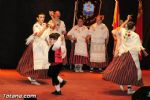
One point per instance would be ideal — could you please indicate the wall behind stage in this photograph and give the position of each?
(18, 16)
(146, 33)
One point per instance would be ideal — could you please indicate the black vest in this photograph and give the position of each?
(51, 55)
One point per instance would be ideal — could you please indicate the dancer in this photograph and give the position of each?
(99, 36)
(117, 40)
(34, 62)
(56, 54)
(125, 67)
(79, 52)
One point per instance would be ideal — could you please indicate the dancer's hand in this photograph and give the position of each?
(51, 13)
(45, 26)
(129, 17)
(75, 40)
(145, 53)
(62, 37)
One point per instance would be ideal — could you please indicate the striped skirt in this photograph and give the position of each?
(25, 65)
(122, 70)
(98, 65)
(76, 59)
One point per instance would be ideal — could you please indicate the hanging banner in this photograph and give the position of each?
(88, 9)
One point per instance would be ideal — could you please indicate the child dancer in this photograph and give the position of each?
(56, 55)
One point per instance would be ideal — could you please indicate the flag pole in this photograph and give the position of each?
(75, 12)
(100, 7)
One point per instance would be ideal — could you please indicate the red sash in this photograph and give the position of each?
(58, 57)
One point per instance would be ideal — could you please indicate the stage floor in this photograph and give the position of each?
(80, 86)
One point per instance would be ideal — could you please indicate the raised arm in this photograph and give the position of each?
(126, 21)
(115, 31)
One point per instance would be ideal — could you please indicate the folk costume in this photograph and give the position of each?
(34, 62)
(125, 67)
(79, 52)
(56, 55)
(99, 39)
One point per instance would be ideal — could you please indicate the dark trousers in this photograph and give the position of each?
(53, 72)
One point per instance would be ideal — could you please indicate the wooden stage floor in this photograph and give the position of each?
(80, 86)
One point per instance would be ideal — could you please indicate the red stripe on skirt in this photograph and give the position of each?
(25, 65)
(122, 70)
(76, 59)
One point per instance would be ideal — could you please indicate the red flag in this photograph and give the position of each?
(116, 15)
(116, 21)
(139, 23)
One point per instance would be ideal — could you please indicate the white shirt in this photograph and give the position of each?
(79, 32)
(99, 33)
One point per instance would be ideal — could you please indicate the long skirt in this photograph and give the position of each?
(122, 70)
(25, 65)
(77, 59)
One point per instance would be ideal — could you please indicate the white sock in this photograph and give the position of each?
(76, 67)
(31, 79)
(60, 79)
(57, 87)
(100, 68)
(81, 66)
(129, 86)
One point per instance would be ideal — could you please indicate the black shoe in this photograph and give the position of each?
(63, 83)
(56, 92)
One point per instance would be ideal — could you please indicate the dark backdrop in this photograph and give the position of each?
(18, 16)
